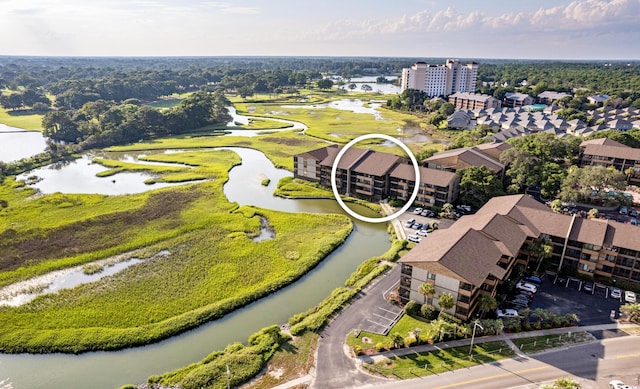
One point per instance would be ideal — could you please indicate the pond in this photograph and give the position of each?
(79, 176)
(112, 369)
(16, 143)
(353, 105)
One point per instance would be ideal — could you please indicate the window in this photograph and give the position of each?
(431, 276)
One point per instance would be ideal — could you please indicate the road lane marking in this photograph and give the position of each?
(627, 356)
(518, 372)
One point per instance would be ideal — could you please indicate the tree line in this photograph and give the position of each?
(103, 123)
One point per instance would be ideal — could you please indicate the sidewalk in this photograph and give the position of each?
(508, 337)
(397, 226)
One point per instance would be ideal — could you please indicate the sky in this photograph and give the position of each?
(544, 29)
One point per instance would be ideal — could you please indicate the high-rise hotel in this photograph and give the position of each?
(440, 80)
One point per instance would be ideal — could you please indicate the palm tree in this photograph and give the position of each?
(629, 172)
(427, 290)
(486, 303)
(593, 213)
(541, 250)
(445, 301)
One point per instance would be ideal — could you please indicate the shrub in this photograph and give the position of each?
(380, 346)
(357, 349)
(428, 311)
(410, 341)
(412, 308)
(449, 318)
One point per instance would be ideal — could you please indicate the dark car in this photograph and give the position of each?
(588, 286)
(533, 279)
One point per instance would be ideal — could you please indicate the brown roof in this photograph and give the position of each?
(612, 151)
(464, 251)
(602, 141)
(376, 163)
(469, 156)
(318, 154)
(623, 235)
(348, 158)
(493, 149)
(589, 231)
(436, 177)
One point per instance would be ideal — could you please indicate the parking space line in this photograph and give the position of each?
(382, 317)
(395, 313)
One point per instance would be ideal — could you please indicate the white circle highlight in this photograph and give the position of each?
(356, 215)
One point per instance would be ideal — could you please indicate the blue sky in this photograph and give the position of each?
(578, 29)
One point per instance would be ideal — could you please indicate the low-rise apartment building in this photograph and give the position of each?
(375, 175)
(487, 154)
(606, 152)
(480, 251)
(466, 100)
(513, 100)
(437, 187)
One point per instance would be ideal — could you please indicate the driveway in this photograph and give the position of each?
(334, 369)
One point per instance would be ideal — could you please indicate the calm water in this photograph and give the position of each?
(113, 369)
(16, 143)
(353, 105)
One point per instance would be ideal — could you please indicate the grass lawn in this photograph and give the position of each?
(540, 343)
(161, 297)
(404, 326)
(291, 361)
(440, 361)
(27, 120)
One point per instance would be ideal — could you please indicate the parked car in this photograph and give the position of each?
(533, 279)
(634, 222)
(527, 286)
(422, 233)
(418, 211)
(410, 222)
(414, 238)
(526, 294)
(507, 312)
(520, 299)
(633, 213)
(416, 226)
(624, 210)
(616, 293)
(588, 286)
(629, 296)
(617, 384)
(516, 305)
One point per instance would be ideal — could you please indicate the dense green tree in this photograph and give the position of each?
(631, 312)
(474, 137)
(478, 184)
(595, 185)
(325, 83)
(59, 126)
(539, 159)
(445, 301)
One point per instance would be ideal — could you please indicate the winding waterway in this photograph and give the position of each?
(113, 369)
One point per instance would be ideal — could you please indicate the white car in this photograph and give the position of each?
(414, 238)
(507, 313)
(617, 384)
(616, 293)
(418, 211)
(527, 286)
(629, 296)
(422, 233)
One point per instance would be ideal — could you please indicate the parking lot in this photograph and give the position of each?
(561, 298)
(442, 223)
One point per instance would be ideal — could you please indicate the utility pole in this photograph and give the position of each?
(473, 334)
(228, 377)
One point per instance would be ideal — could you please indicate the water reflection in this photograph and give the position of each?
(16, 143)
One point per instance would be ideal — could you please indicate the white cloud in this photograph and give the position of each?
(232, 9)
(579, 15)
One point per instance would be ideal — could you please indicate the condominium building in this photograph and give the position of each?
(606, 152)
(487, 154)
(440, 80)
(466, 100)
(479, 251)
(375, 175)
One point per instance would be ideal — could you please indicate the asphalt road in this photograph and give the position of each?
(334, 369)
(593, 365)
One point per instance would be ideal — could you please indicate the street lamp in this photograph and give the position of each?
(473, 334)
